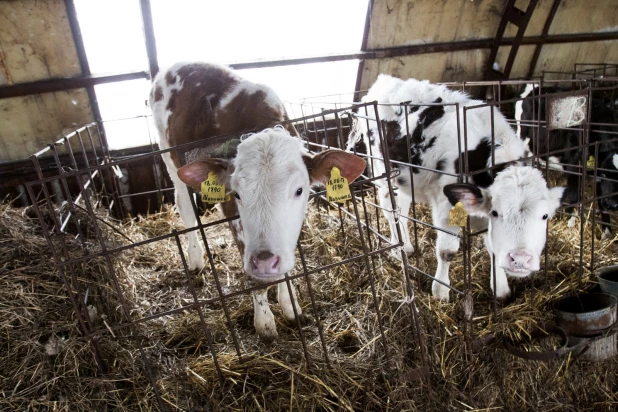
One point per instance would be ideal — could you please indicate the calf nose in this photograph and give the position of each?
(265, 263)
(520, 259)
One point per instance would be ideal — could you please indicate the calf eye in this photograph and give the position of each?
(545, 217)
(299, 191)
(494, 213)
(237, 196)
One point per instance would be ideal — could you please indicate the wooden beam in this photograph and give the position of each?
(409, 50)
(67, 83)
(361, 64)
(58, 84)
(149, 37)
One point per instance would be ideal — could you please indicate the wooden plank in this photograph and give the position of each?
(29, 123)
(36, 40)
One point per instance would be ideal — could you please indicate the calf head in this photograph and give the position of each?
(270, 180)
(518, 205)
(609, 183)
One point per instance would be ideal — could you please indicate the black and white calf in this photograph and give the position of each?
(515, 206)
(604, 130)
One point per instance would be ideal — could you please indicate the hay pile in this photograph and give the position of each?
(46, 364)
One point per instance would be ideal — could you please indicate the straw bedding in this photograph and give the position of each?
(46, 363)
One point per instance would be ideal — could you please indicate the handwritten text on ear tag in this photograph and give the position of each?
(337, 189)
(457, 216)
(590, 162)
(212, 190)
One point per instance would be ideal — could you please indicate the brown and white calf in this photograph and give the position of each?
(269, 173)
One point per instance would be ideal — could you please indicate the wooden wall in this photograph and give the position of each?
(36, 43)
(408, 22)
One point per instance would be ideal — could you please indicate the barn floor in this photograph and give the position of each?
(45, 363)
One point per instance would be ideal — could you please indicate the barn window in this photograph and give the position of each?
(223, 32)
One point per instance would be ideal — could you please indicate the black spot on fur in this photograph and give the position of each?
(448, 255)
(370, 136)
(397, 141)
(430, 115)
(412, 109)
(477, 160)
(430, 144)
(441, 165)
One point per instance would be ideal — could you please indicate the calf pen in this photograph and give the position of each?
(377, 339)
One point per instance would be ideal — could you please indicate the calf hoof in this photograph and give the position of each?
(196, 264)
(607, 235)
(409, 249)
(440, 292)
(268, 336)
(503, 293)
(303, 319)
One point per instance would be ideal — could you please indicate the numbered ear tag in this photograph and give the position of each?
(457, 216)
(212, 190)
(337, 188)
(590, 162)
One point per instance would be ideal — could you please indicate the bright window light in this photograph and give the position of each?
(223, 32)
(246, 30)
(113, 36)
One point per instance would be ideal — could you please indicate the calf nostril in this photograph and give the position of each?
(264, 255)
(519, 259)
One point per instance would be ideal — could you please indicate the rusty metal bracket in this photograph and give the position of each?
(578, 349)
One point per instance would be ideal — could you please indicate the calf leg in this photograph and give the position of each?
(283, 296)
(187, 215)
(501, 288)
(605, 222)
(403, 201)
(263, 318)
(571, 196)
(447, 246)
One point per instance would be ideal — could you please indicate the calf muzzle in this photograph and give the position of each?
(265, 263)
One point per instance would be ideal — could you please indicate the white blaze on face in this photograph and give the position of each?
(615, 161)
(272, 184)
(518, 205)
(270, 178)
(523, 205)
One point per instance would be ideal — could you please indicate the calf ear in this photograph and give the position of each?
(196, 172)
(555, 199)
(472, 198)
(320, 165)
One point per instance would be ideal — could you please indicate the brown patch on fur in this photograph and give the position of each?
(448, 255)
(248, 112)
(195, 108)
(158, 94)
(195, 112)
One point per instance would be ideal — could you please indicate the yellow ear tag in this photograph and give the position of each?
(337, 189)
(457, 216)
(212, 190)
(590, 162)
